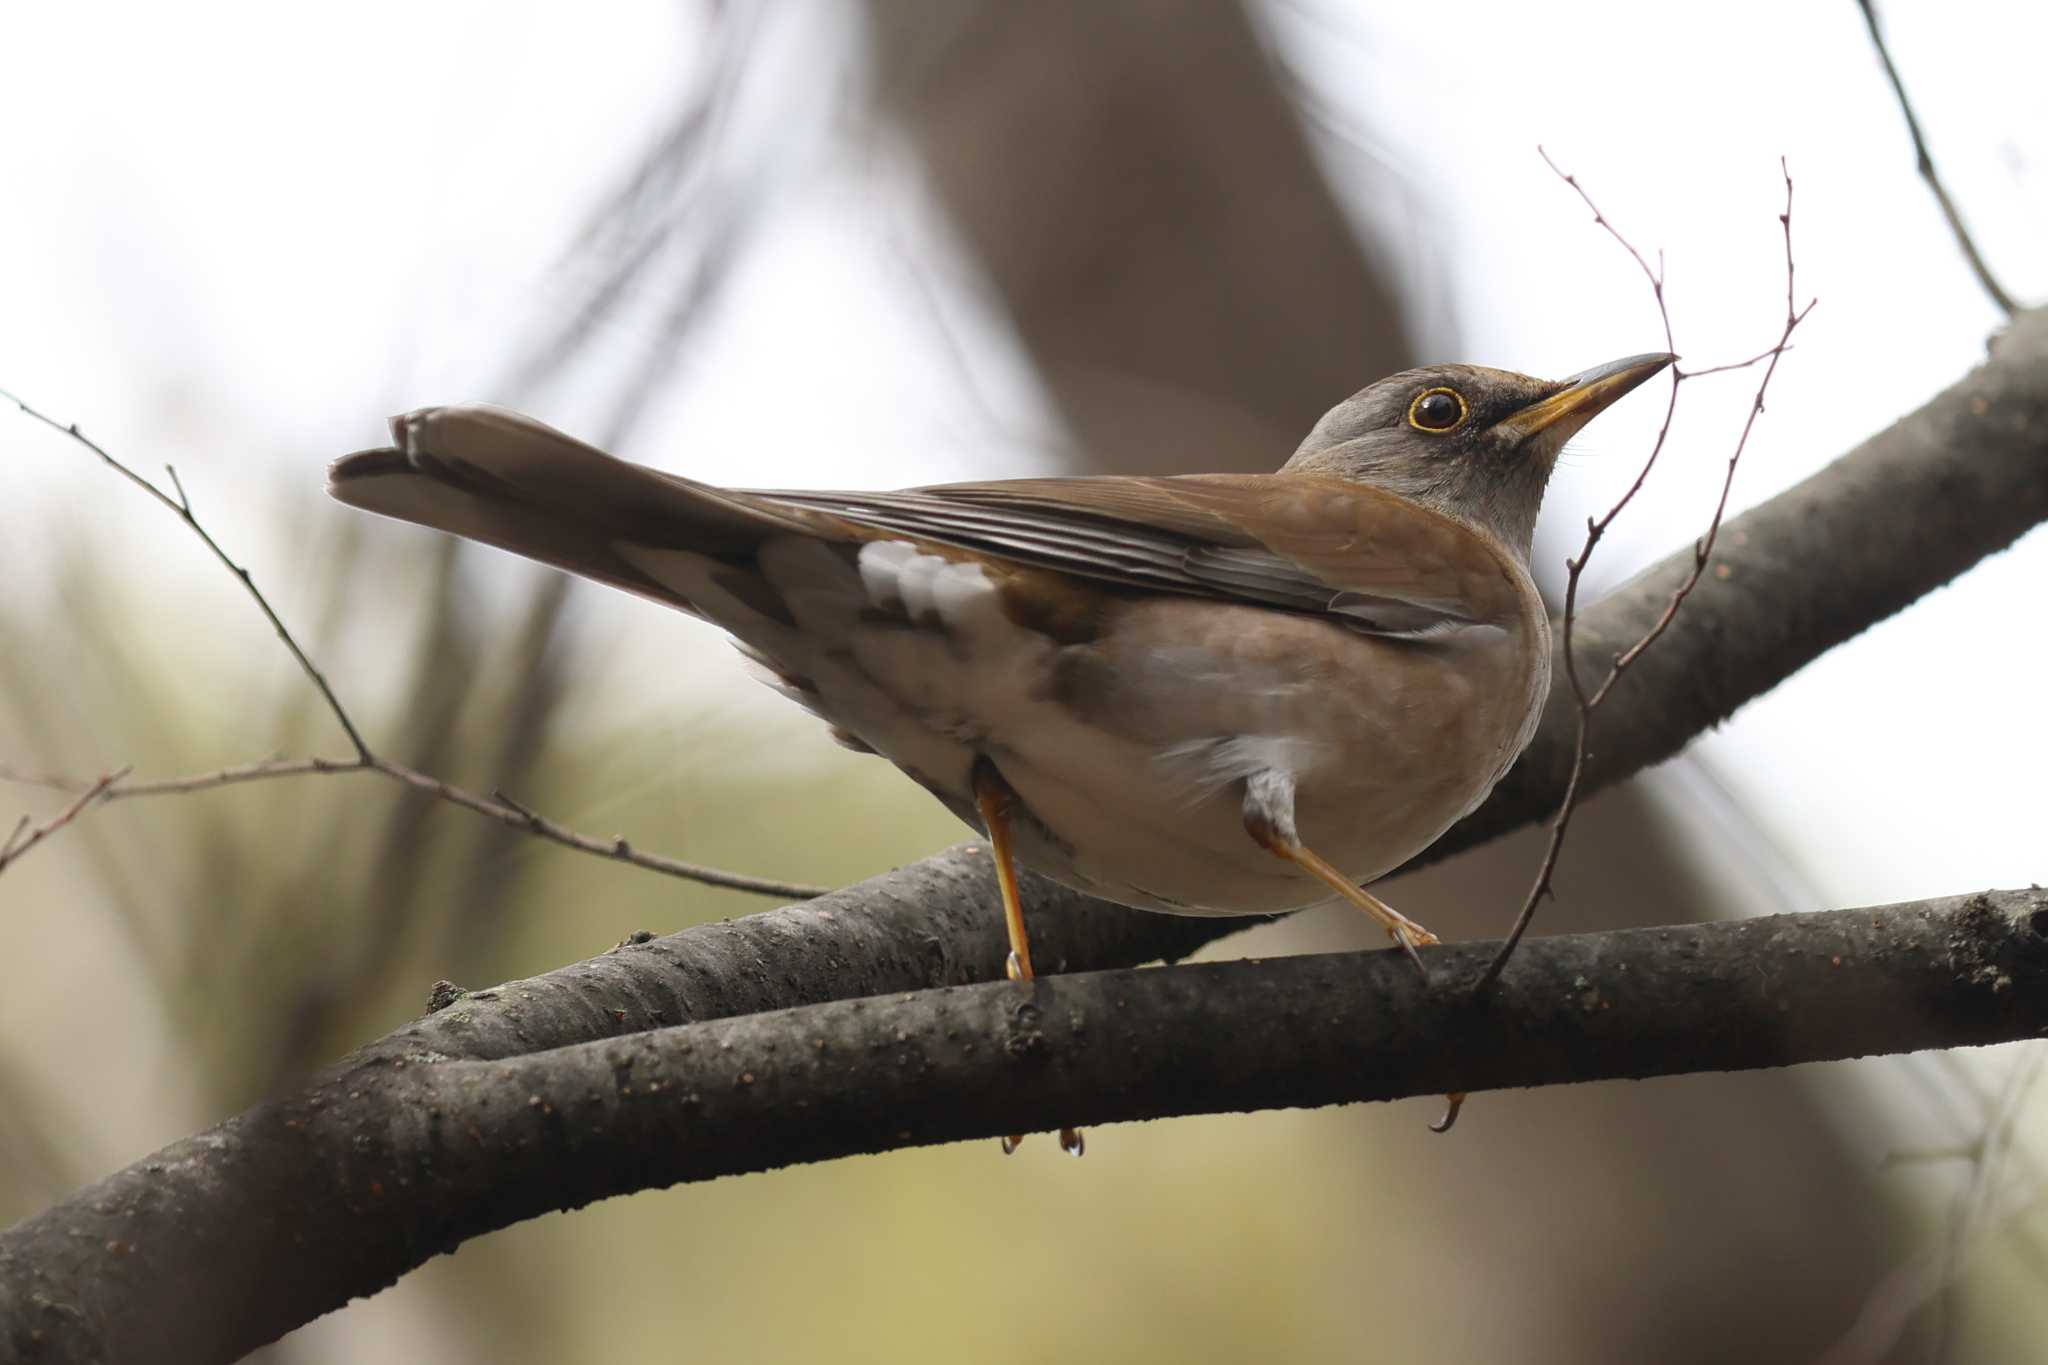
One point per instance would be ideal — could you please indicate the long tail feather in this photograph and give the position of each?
(509, 481)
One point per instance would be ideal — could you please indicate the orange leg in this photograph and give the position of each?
(1399, 927)
(994, 800)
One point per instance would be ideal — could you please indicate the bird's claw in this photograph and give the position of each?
(1412, 936)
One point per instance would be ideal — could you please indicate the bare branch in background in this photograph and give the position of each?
(666, 238)
(1929, 174)
(176, 501)
(511, 814)
(26, 836)
(1589, 699)
(1993, 1203)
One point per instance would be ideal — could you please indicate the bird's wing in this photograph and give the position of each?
(1315, 544)
(1298, 542)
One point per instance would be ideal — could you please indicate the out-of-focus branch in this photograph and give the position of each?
(1928, 173)
(226, 1240)
(177, 503)
(665, 237)
(497, 807)
(26, 834)
(1995, 1202)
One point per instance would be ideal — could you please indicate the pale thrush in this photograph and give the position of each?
(1205, 694)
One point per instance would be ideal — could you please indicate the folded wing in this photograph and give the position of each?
(1294, 542)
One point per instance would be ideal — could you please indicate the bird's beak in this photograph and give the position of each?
(1583, 397)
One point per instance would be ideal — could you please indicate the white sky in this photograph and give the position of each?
(237, 235)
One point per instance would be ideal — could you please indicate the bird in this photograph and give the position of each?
(1199, 694)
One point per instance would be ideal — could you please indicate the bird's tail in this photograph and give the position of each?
(507, 480)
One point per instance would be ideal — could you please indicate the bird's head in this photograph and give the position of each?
(1475, 444)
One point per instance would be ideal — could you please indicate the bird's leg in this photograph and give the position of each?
(1269, 819)
(995, 801)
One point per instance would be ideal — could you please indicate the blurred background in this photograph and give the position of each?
(888, 243)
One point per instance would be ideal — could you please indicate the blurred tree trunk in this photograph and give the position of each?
(1136, 183)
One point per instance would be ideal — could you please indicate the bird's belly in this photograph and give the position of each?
(1160, 825)
(1130, 748)
(1138, 839)
(1130, 757)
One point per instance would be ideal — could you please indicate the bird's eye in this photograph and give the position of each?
(1436, 410)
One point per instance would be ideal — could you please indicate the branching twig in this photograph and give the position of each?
(1589, 699)
(23, 838)
(497, 807)
(1759, 358)
(113, 788)
(1928, 173)
(177, 502)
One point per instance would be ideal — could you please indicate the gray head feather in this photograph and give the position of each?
(1475, 444)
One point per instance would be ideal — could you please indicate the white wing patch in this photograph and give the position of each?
(929, 589)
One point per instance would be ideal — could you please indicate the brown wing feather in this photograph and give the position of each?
(1303, 542)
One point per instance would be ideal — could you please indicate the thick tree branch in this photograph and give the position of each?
(226, 1239)
(287, 1211)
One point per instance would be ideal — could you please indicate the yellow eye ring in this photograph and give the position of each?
(1428, 414)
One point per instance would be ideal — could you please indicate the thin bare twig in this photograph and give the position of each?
(1589, 699)
(1704, 547)
(178, 503)
(113, 788)
(23, 838)
(1759, 358)
(275, 766)
(498, 807)
(1928, 173)
(22, 777)
(616, 848)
